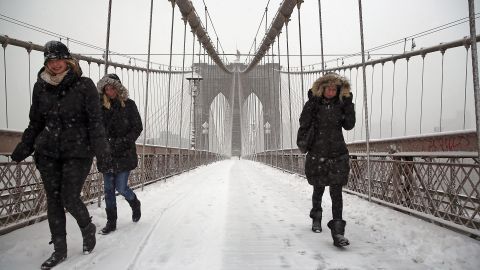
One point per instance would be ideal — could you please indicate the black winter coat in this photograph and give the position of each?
(327, 161)
(65, 120)
(123, 126)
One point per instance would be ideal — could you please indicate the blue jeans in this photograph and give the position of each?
(118, 181)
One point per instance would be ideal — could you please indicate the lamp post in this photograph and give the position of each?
(205, 131)
(267, 127)
(194, 80)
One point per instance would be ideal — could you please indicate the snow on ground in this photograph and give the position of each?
(238, 214)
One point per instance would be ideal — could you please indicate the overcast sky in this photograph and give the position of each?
(236, 23)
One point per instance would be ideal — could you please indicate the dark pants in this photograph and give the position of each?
(335, 195)
(63, 181)
(118, 181)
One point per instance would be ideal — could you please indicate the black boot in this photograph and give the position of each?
(135, 205)
(59, 254)
(111, 221)
(88, 234)
(316, 221)
(337, 226)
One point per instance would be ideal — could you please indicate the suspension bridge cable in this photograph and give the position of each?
(393, 95)
(371, 99)
(421, 96)
(214, 30)
(258, 29)
(289, 95)
(299, 2)
(476, 83)
(181, 102)
(280, 95)
(60, 36)
(5, 80)
(467, 46)
(169, 86)
(367, 134)
(399, 41)
(406, 100)
(321, 34)
(146, 97)
(441, 89)
(29, 76)
(107, 46)
(381, 101)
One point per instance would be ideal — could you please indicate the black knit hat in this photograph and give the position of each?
(113, 76)
(55, 50)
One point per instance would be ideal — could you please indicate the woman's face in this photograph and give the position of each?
(330, 91)
(57, 66)
(110, 91)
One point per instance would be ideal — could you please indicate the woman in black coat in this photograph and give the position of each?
(65, 131)
(328, 111)
(123, 126)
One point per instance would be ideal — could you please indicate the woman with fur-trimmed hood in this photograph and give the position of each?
(328, 110)
(123, 126)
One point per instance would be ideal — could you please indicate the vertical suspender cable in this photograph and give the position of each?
(299, 3)
(190, 120)
(371, 97)
(146, 97)
(321, 33)
(107, 46)
(421, 97)
(167, 154)
(467, 47)
(4, 45)
(441, 89)
(274, 108)
(473, 43)
(289, 96)
(393, 98)
(29, 50)
(381, 103)
(367, 134)
(406, 102)
(280, 98)
(181, 97)
(356, 91)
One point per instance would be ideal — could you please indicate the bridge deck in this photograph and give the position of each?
(244, 215)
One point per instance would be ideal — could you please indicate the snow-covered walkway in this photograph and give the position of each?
(238, 214)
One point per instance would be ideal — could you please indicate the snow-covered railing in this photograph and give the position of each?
(439, 185)
(22, 197)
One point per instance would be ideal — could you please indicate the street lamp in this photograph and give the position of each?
(267, 127)
(205, 131)
(194, 80)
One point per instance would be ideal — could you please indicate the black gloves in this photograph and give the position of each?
(347, 99)
(21, 152)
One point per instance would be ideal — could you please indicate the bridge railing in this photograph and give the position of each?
(23, 199)
(436, 177)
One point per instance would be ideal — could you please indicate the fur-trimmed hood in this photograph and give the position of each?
(342, 83)
(112, 79)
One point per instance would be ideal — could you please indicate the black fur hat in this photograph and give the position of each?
(55, 50)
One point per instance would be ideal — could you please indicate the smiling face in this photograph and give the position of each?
(330, 91)
(110, 91)
(57, 66)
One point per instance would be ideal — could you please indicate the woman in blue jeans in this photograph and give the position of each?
(123, 126)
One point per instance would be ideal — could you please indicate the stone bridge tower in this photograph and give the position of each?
(263, 81)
